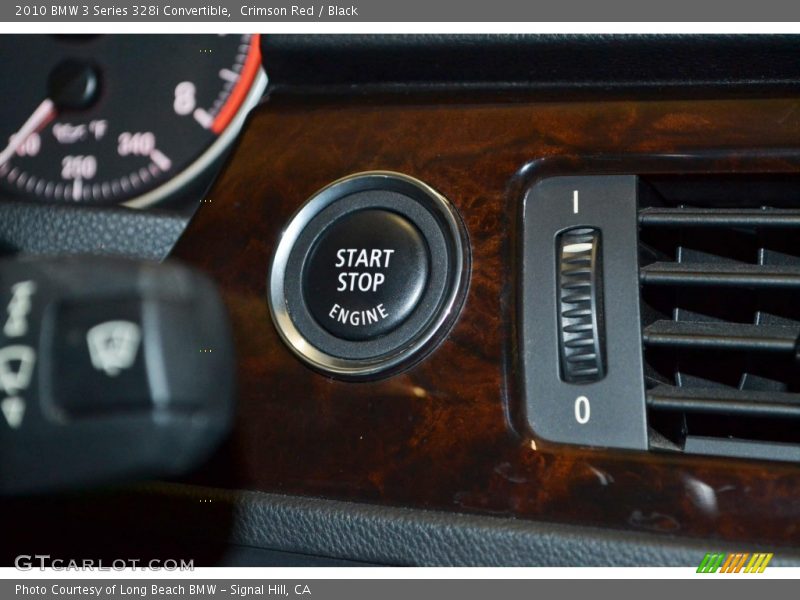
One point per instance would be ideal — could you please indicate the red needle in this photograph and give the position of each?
(40, 117)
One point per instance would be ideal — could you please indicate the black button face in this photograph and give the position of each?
(99, 365)
(366, 274)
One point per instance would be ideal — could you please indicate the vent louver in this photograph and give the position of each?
(720, 280)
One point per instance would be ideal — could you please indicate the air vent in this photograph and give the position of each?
(695, 345)
(720, 281)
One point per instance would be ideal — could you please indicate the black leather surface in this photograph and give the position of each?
(603, 63)
(404, 537)
(68, 229)
(245, 556)
(178, 520)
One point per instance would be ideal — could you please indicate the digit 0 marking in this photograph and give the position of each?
(583, 410)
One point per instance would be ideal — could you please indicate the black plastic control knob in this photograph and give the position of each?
(109, 369)
(366, 274)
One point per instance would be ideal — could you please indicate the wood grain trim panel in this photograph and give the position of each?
(446, 434)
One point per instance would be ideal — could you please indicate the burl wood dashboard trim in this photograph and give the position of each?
(447, 434)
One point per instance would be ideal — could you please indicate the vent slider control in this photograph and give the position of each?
(580, 306)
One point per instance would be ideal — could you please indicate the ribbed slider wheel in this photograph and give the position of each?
(580, 306)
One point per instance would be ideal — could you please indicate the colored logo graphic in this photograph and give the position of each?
(736, 562)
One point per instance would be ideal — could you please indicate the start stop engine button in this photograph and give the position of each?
(366, 274)
(369, 275)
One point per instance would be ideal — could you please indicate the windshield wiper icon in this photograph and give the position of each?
(113, 346)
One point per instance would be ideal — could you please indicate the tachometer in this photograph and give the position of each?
(119, 118)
